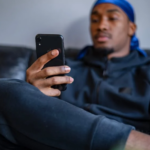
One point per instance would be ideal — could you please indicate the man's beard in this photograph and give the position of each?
(103, 52)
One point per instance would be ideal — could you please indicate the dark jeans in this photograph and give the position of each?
(31, 120)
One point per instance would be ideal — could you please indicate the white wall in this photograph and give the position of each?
(21, 20)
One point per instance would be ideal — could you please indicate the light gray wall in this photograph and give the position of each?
(21, 20)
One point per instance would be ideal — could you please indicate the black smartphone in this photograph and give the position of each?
(48, 42)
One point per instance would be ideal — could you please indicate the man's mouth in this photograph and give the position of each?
(102, 39)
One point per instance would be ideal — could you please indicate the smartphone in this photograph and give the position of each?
(46, 43)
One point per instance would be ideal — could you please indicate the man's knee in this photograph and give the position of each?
(6, 83)
(14, 86)
(12, 90)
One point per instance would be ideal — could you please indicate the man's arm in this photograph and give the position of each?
(138, 141)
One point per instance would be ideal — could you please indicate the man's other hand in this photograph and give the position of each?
(37, 76)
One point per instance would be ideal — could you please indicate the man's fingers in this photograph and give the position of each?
(41, 61)
(45, 84)
(55, 81)
(50, 71)
(51, 92)
(60, 80)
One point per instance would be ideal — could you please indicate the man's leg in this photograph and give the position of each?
(35, 121)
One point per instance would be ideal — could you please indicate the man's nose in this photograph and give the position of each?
(103, 24)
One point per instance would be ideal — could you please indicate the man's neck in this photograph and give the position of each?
(118, 54)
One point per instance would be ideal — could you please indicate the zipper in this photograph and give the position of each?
(105, 71)
(104, 76)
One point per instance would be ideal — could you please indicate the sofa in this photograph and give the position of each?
(14, 61)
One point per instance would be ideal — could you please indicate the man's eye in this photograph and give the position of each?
(113, 18)
(94, 20)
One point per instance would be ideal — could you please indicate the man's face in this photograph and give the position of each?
(110, 27)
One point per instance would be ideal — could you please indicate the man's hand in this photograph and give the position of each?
(37, 76)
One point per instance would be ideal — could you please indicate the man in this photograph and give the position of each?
(111, 81)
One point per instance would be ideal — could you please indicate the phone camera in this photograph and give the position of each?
(39, 39)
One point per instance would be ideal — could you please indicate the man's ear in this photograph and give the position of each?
(132, 28)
